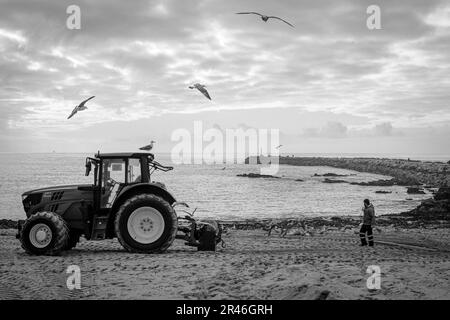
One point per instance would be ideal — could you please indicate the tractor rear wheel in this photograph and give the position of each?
(146, 223)
(44, 233)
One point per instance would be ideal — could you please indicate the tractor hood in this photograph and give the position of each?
(56, 188)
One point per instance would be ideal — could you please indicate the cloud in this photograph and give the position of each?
(333, 130)
(440, 17)
(383, 129)
(14, 36)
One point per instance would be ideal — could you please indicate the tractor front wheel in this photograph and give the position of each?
(44, 233)
(146, 223)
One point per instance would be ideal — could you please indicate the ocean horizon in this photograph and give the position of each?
(412, 156)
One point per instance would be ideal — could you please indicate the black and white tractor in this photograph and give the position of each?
(122, 202)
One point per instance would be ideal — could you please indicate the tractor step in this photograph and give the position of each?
(99, 228)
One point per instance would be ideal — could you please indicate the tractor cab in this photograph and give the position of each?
(125, 168)
(115, 171)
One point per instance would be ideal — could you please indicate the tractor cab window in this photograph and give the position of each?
(113, 169)
(113, 176)
(134, 171)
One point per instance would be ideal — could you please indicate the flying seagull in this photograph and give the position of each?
(80, 107)
(201, 88)
(279, 146)
(265, 18)
(148, 147)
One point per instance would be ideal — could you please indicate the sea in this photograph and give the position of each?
(215, 191)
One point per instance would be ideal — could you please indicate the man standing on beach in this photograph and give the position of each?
(368, 222)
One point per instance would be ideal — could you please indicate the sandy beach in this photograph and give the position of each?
(318, 258)
(414, 264)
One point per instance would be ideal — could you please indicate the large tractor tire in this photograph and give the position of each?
(72, 241)
(146, 223)
(44, 233)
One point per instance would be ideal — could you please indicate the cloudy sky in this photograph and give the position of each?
(330, 84)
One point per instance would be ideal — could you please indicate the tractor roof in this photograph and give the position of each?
(124, 155)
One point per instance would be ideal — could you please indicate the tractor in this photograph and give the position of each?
(122, 202)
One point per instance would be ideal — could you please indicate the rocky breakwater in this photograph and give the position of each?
(404, 172)
(436, 208)
(431, 213)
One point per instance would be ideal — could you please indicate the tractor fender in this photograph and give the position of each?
(154, 188)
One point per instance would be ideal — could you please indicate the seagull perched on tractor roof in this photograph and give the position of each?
(265, 18)
(80, 107)
(201, 88)
(148, 147)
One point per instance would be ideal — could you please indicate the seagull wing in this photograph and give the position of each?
(145, 147)
(204, 91)
(274, 17)
(84, 102)
(250, 13)
(74, 111)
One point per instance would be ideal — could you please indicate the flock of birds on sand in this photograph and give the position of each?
(200, 87)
